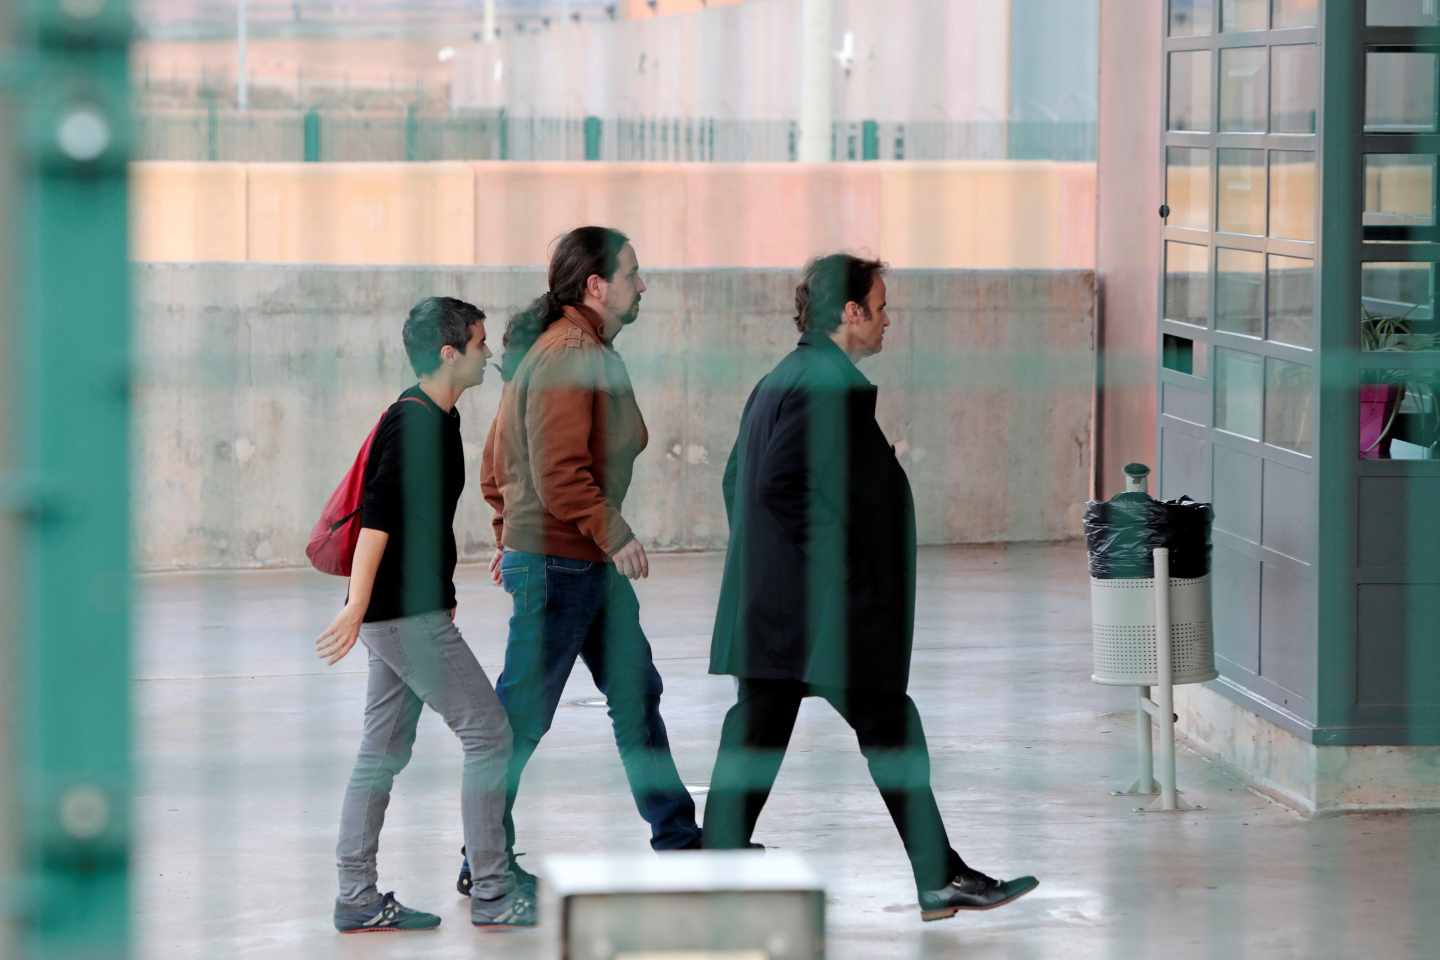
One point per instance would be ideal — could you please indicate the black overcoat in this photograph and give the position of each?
(819, 582)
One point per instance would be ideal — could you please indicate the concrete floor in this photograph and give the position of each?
(245, 744)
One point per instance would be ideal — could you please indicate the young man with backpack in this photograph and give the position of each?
(401, 604)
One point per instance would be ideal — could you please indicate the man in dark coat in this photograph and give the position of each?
(818, 598)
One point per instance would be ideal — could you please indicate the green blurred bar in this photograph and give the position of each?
(68, 494)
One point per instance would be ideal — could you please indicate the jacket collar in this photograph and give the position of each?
(587, 320)
(825, 347)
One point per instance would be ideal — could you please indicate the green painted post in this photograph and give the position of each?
(212, 130)
(504, 136)
(412, 133)
(312, 136)
(594, 130)
(870, 140)
(68, 494)
(1338, 270)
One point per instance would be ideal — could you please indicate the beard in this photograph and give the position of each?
(631, 315)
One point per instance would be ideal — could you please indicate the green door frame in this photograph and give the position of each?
(66, 492)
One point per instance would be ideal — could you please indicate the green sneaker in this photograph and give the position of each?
(390, 916)
(514, 909)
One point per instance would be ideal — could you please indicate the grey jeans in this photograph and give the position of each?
(415, 661)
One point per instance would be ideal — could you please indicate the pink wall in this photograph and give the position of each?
(1127, 245)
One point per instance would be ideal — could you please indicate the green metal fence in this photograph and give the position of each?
(352, 136)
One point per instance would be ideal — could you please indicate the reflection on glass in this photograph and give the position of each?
(1289, 400)
(1296, 13)
(1399, 190)
(1294, 88)
(1402, 13)
(1399, 415)
(1242, 191)
(1191, 18)
(1241, 15)
(1187, 283)
(1190, 91)
(1292, 301)
(1399, 92)
(1240, 292)
(1238, 382)
(1187, 187)
(1242, 90)
(1397, 307)
(1292, 195)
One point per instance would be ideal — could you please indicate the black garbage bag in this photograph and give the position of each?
(1122, 532)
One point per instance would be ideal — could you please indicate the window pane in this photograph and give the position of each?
(1399, 92)
(1292, 195)
(1240, 15)
(1187, 187)
(1242, 191)
(1240, 292)
(1187, 283)
(1399, 190)
(1294, 88)
(1402, 13)
(1191, 18)
(1397, 302)
(1296, 13)
(1292, 301)
(1190, 91)
(1238, 381)
(1242, 90)
(1289, 400)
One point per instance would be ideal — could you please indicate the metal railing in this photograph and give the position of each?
(412, 135)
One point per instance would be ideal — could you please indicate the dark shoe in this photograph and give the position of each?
(523, 878)
(514, 909)
(464, 881)
(389, 916)
(972, 890)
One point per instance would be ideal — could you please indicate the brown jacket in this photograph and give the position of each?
(560, 454)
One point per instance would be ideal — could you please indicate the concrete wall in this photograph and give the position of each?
(257, 384)
(992, 215)
(1314, 780)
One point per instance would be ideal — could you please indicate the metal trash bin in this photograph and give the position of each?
(1122, 621)
(1150, 628)
(1122, 601)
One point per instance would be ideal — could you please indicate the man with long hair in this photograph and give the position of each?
(556, 468)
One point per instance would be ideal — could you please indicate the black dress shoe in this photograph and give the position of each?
(972, 890)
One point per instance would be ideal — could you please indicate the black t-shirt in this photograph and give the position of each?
(413, 482)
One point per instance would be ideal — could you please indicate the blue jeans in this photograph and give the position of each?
(566, 608)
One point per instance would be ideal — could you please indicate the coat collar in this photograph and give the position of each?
(587, 320)
(825, 347)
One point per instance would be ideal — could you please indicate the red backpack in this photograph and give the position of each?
(333, 538)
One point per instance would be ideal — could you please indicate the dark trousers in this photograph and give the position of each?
(565, 609)
(752, 745)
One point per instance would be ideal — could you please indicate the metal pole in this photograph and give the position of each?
(1145, 750)
(242, 44)
(68, 496)
(488, 30)
(817, 31)
(9, 568)
(1165, 705)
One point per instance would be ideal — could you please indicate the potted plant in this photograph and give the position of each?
(1383, 404)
